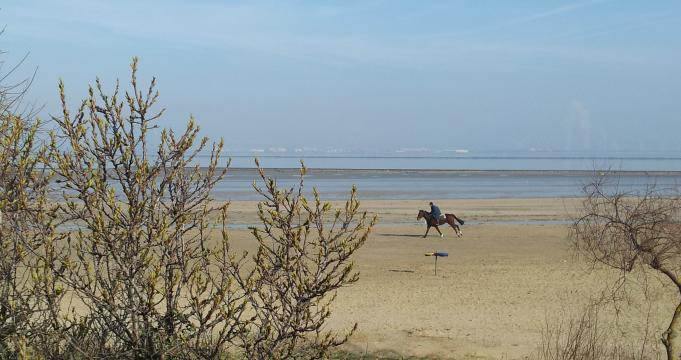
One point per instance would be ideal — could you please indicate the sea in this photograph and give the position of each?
(458, 174)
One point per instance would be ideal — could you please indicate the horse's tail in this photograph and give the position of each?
(457, 219)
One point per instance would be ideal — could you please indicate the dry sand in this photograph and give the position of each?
(490, 297)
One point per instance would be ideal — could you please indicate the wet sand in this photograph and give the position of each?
(491, 295)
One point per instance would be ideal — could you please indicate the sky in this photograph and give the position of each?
(587, 76)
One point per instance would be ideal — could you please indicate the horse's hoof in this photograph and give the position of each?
(424, 236)
(442, 236)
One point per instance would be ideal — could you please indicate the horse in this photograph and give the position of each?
(450, 219)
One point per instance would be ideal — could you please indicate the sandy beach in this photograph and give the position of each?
(491, 296)
(139, 141)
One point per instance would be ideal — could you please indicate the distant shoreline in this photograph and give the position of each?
(441, 184)
(454, 157)
(467, 171)
(524, 163)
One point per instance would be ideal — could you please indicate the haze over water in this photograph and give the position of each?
(463, 160)
(452, 175)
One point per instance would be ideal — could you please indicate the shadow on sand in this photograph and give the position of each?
(403, 235)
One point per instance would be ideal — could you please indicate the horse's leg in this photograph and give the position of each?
(456, 228)
(452, 223)
(427, 229)
(438, 230)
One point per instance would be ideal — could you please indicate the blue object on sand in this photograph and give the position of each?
(437, 254)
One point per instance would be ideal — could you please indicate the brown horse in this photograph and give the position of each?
(450, 219)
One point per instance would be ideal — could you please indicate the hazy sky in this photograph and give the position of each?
(482, 75)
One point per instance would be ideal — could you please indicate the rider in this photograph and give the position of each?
(435, 213)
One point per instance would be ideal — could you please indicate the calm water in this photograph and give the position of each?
(449, 175)
(452, 175)
(441, 184)
(517, 160)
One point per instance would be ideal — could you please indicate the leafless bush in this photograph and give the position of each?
(12, 92)
(583, 337)
(634, 230)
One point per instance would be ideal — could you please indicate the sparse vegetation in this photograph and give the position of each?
(133, 271)
(27, 291)
(303, 256)
(582, 337)
(634, 232)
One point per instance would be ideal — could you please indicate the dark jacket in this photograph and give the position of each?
(435, 212)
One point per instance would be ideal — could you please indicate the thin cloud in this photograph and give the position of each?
(552, 12)
(262, 29)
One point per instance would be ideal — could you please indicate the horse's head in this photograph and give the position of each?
(420, 215)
